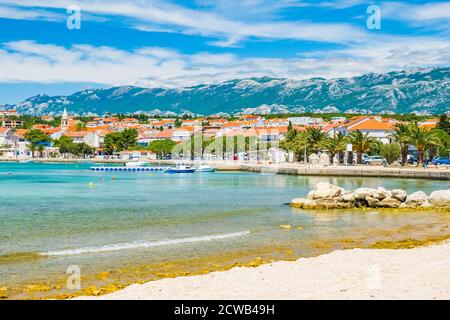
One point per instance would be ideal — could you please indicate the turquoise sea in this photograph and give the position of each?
(56, 215)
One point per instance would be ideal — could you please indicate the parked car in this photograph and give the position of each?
(375, 160)
(412, 160)
(440, 160)
(364, 157)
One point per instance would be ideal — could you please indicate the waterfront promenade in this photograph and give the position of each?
(432, 172)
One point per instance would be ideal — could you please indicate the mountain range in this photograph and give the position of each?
(419, 91)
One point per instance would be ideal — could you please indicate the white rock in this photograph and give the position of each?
(363, 193)
(381, 193)
(348, 196)
(326, 190)
(390, 203)
(416, 199)
(372, 202)
(303, 203)
(440, 198)
(399, 194)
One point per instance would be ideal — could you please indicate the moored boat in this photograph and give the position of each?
(135, 164)
(180, 169)
(203, 168)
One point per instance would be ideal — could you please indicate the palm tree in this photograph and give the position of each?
(362, 143)
(337, 145)
(295, 143)
(316, 139)
(32, 147)
(423, 139)
(41, 149)
(81, 126)
(401, 134)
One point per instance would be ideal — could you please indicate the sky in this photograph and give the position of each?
(58, 47)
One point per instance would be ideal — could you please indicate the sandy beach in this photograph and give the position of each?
(420, 273)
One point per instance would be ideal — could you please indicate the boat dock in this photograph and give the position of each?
(129, 169)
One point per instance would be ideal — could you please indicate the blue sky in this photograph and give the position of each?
(177, 43)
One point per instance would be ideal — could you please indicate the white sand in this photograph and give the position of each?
(421, 273)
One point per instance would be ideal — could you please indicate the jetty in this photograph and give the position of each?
(128, 169)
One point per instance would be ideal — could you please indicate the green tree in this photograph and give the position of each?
(64, 144)
(296, 143)
(129, 138)
(423, 139)
(391, 152)
(81, 126)
(337, 145)
(81, 149)
(362, 143)
(32, 148)
(444, 123)
(316, 139)
(178, 123)
(162, 147)
(119, 141)
(443, 149)
(40, 148)
(401, 135)
(35, 138)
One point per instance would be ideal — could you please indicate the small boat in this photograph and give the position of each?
(179, 169)
(203, 168)
(135, 164)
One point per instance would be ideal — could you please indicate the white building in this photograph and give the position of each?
(304, 121)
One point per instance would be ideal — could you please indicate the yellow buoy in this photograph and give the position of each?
(90, 185)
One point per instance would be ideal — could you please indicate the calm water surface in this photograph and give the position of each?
(65, 215)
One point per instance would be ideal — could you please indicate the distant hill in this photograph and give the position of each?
(420, 91)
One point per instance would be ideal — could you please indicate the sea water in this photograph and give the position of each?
(53, 216)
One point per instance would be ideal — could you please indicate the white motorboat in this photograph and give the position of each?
(135, 164)
(204, 168)
(180, 168)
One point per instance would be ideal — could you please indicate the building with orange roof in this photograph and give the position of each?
(430, 123)
(8, 113)
(47, 118)
(11, 123)
(374, 126)
(162, 135)
(217, 122)
(7, 137)
(183, 133)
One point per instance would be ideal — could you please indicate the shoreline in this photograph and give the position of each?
(432, 173)
(418, 273)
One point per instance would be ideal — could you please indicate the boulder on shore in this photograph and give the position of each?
(303, 203)
(328, 196)
(389, 203)
(440, 198)
(381, 193)
(363, 193)
(416, 199)
(325, 190)
(399, 194)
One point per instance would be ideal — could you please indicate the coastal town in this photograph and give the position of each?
(334, 139)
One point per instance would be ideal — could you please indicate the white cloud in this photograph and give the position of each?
(153, 14)
(15, 13)
(416, 12)
(28, 61)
